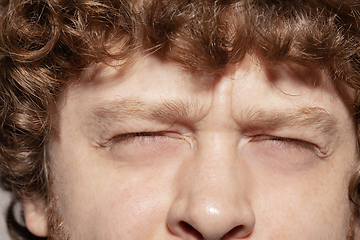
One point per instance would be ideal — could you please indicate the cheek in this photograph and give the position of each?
(290, 218)
(305, 204)
(116, 214)
(99, 192)
(111, 207)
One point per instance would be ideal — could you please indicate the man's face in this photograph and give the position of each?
(154, 152)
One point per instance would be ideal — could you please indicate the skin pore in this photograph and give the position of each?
(154, 152)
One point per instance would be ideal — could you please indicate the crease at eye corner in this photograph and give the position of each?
(189, 138)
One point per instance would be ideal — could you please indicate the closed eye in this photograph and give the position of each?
(283, 141)
(127, 136)
(139, 137)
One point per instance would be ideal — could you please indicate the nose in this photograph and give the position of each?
(213, 196)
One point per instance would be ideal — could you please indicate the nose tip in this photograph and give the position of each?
(209, 222)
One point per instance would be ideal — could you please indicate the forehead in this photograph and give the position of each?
(152, 78)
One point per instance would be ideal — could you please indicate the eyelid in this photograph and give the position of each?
(127, 136)
(303, 144)
(279, 138)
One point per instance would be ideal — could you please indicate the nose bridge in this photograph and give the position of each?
(220, 179)
(216, 167)
(212, 197)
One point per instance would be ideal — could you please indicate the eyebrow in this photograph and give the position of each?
(166, 110)
(171, 111)
(314, 118)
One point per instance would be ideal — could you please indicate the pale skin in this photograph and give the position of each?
(154, 152)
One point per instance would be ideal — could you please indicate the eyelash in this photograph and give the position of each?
(124, 137)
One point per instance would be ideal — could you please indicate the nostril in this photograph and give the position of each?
(235, 232)
(190, 230)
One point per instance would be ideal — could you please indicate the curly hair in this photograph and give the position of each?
(44, 44)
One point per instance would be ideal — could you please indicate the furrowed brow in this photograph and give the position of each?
(314, 118)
